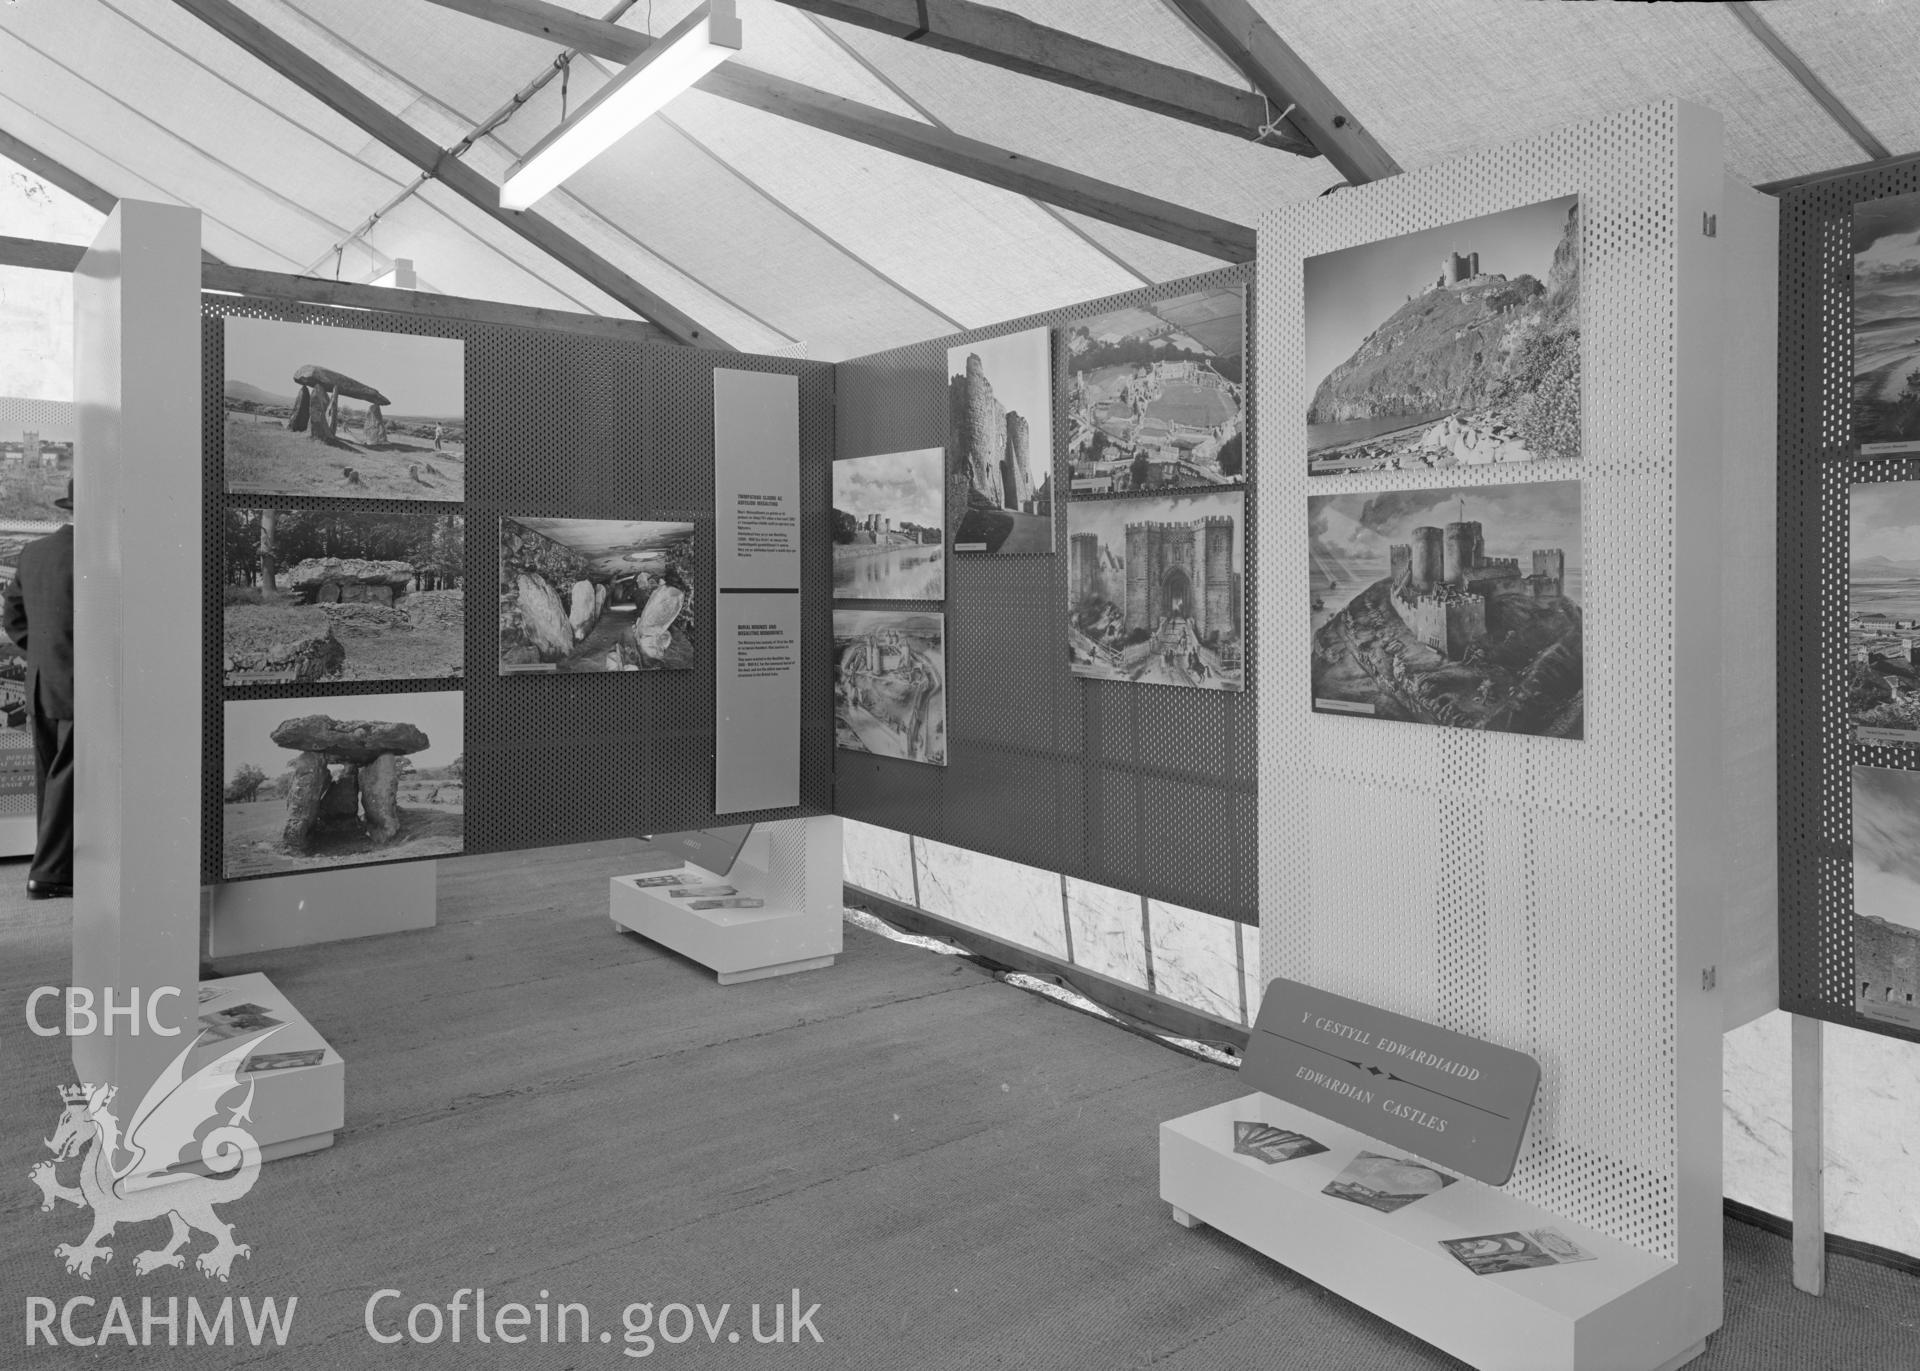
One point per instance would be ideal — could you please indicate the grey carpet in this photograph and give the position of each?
(960, 1174)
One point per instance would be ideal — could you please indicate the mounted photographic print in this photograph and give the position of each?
(1156, 588)
(1000, 444)
(1883, 611)
(1457, 607)
(1886, 324)
(889, 528)
(325, 594)
(1456, 346)
(1386, 1183)
(890, 683)
(595, 595)
(1886, 894)
(314, 410)
(342, 780)
(36, 473)
(1157, 395)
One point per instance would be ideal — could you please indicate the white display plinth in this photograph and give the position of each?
(295, 1110)
(1611, 1312)
(792, 865)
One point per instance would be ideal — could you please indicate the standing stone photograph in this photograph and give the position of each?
(342, 780)
(1454, 606)
(890, 683)
(1886, 324)
(889, 529)
(356, 413)
(1456, 346)
(1156, 395)
(1156, 589)
(342, 595)
(1886, 894)
(1000, 444)
(596, 595)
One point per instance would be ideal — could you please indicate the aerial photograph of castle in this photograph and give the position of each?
(1157, 394)
(1156, 589)
(890, 683)
(889, 536)
(1886, 894)
(1456, 607)
(1883, 611)
(1886, 324)
(1000, 444)
(1455, 346)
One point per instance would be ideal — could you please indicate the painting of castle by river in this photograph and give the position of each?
(999, 449)
(1457, 607)
(1455, 346)
(888, 528)
(1156, 588)
(890, 683)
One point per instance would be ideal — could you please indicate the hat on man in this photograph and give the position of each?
(66, 501)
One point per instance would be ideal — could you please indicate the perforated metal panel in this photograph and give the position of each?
(568, 425)
(1816, 467)
(1515, 888)
(1145, 787)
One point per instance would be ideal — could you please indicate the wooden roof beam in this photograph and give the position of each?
(895, 133)
(1276, 69)
(1003, 39)
(58, 174)
(379, 123)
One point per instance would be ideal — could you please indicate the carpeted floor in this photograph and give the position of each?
(958, 1173)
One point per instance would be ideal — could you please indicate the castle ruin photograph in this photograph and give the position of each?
(1000, 444)
(1458, 607)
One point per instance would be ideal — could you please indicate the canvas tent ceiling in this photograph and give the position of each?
(779, 237)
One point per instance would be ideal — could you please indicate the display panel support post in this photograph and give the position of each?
(1809, 1157)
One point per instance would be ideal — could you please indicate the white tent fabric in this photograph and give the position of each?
(777, 237)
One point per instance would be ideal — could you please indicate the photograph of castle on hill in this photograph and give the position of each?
(318, 594)
(342, 780)
(307, 412)
(1886, 324)
(595, 595)
(1883, 611)
(1157, 394)
(889, 537)
(890, 683)
(1886, 894)
(1456, 346)
(1456, 607)
(1155, 587)
(1000, 444)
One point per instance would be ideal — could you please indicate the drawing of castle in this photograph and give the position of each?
(1443, 579)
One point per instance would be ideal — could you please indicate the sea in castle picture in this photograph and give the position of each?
(1454, 606)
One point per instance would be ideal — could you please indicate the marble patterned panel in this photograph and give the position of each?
(1250, 956)
(1108, 932)
(876, 859)
(1196, 959)
(1008, 900)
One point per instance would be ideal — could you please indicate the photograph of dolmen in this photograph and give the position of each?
(596, 595)
(1456, 346)
(1156, 394)
(339, 595)
(890, 683)
(1886, 324)
(342, 780)
(1458, 607)
(1000, 444)
(1886, 894)
(889, 533)
(313, 410)
(1156, 589)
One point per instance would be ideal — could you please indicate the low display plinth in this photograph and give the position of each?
(1623, 1311)
(296, 1108)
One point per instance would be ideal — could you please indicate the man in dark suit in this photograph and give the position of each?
(39, 619)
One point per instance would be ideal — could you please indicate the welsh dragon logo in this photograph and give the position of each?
(130, 1180)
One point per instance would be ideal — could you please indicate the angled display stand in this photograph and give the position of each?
(1581, 900)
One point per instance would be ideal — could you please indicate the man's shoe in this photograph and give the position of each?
(48, 890)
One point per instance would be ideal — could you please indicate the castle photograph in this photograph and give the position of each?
(1455, 346)
(1457, 607)
(1156, 590)
(1000, 444)
(1886, 894)
(889, 533)
(1886, 324)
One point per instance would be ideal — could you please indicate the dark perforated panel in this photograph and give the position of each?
(1816, 467)
(1144, 787)
(566, 425)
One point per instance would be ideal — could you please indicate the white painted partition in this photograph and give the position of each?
(320, 907)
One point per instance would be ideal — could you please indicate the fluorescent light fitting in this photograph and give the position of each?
(685, 53)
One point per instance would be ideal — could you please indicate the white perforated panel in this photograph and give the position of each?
(1519, 889)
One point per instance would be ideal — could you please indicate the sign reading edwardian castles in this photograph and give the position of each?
(1445, 1096)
